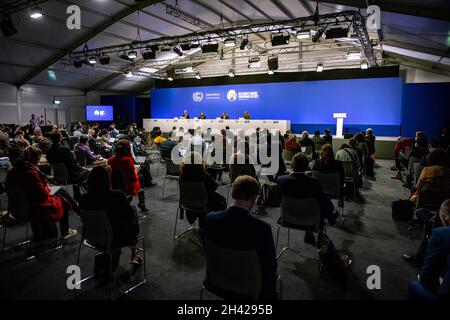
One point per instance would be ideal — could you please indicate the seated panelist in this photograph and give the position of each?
(246, 115)
(224, 116)
(185, 115)
(202, 115)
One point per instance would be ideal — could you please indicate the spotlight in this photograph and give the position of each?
(177, 51)
(185, 46)
(229, 43)
(303, 34)
(149, 55)
(353, 55)
(364, 65)
(231, 73)
(7, 27)
(56, 101)
(244, 43)
(198, 76)
(319, 67)
(336, 33)
(92, 60)
(270, 72)
(279, 39)
(170, 74)
(272, 62)
(317, 36)
(36, 13)
(104, 60)
(132, 55)
(254, 62)
(77, 64)
(170, 79)
(128, 74)
(125, 57)
(208, 47)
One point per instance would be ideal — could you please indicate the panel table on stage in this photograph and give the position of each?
(218, 124)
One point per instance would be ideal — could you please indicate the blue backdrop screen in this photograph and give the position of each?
(367, 102)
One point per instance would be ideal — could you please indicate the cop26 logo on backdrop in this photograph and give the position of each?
(232, 95)
(197, 96)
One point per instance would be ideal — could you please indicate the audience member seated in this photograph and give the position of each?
(317, 139)
(291, 144)
(354, 146)
(224, 116)
(327, 136)
(328, 164)
(306, 141)
(158, 138)
(202, 116)
(432, 145)
(41, 142)
(122, 163)
(45, 208)
(436, 172)
(193, 169)
(83, 147)
(402, 147)
(420, 147)
(246, 115)
(78, 131)
(301, 186)
(20, 136)
(436, 256)
(4, 142)
(347, 154)
(237, 229)
(121, 215)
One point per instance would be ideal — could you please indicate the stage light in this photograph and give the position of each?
(177, 51)
(149, 55)
(336, 33)
(56, 101)
(272, 62)
(317, 36)
(170, 79)
(36, 13)
(77, 64)
(229, 43)
(244, 43)
(128, 74)
(353, 55)
(198, 76)
(364, 65)
(92, 60)
(319, 67)
(132, 55)
(231, 73)
(185, 46)
(279, 39)
(303, 34)
(104, 60)
(7, 27)
(270, 72)
(148, 70)
(170, 73)
(254, 62)
(208, 47)
(125, 57)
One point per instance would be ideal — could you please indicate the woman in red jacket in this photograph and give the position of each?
(44, 207)
(122, 164)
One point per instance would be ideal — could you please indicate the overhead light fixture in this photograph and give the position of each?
(92, 60)
(208, 47)
(279, 39)
(170, 73)
(104, 60)
(334, 33)
(303, 34)
(198, 76)
(36, 13)
(185, 46)
(125, 57)
(272, 62)
(244, 43)
(56, 101)
(319, 67)
(7, 27)
(170, 78)
(128, 74)
(177, 51)
(254, 62)
(270, 72)
(77, 64)
(149, 55)
(229, 43)
(354, 55)
(231, 73)
(148, 70)
(317, 36)
(364, 65)
(132, 55)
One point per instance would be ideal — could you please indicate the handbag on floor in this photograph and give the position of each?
(402, 210)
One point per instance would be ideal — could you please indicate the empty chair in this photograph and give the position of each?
(97, 234)
(172, 173)
(298, 214)
(193, 198)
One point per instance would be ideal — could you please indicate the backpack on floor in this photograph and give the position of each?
(269, 195)
(402, 210)
(145, 174)
(331, 262)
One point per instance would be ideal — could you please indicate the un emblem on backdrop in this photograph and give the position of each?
(197, 96)
(232, 95)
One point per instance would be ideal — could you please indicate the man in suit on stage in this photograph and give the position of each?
(224, 116)
(185, 115)
(237, 229)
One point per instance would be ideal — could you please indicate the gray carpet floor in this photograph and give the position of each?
(176, 269)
